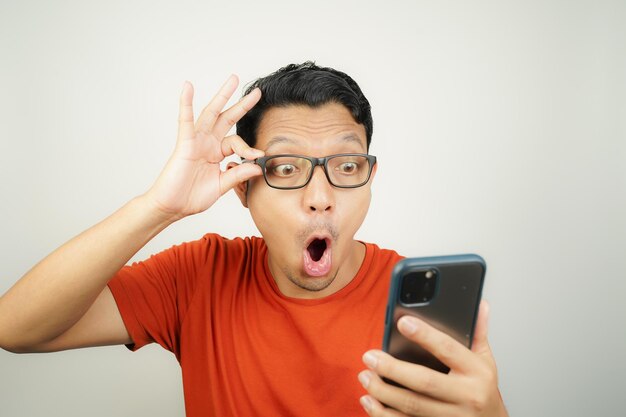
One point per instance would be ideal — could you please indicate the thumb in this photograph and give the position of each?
(480, 344)
(237, 173)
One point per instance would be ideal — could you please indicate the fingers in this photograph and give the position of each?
(228, 118)
(236, 145)
(212, 121)
(400, 399)
(235, 175)
(445, 348)
(471, 384)
(417, 378)
(376, 409)
(185, 112)
(212, 111)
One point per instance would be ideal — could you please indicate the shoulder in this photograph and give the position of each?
(381, 258)
(214, 241)
(382, 253)
(209, 248)
(215, 246)
(217, 241)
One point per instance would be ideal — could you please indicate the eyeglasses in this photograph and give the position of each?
(289, 172)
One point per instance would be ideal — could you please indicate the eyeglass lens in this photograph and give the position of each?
(293, 171)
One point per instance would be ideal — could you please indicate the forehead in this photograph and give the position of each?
(302, 128)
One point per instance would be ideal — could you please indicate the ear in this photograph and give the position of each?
(241, 189)
(374, 168)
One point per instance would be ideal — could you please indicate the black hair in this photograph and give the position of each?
(310, 85)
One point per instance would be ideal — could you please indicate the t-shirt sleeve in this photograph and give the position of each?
(153, 295)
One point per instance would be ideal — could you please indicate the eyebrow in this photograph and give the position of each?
(350, 137)
(279, 139)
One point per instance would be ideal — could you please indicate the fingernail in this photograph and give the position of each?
(365, 378)
(366, 402)
(370, 359)
(408, 324)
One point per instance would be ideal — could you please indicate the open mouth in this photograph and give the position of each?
(316, 249)
(317, 257)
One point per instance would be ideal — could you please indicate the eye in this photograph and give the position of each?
(284, 170)
(348, 168)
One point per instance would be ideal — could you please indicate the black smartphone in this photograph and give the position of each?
(444, 291)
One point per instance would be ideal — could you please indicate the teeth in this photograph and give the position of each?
(317, 267)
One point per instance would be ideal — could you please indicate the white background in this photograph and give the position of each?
(499, 127)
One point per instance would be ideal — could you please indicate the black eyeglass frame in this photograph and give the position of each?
(323, 162)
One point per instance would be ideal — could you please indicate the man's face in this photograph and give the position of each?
(310, 231)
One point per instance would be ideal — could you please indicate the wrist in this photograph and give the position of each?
(157, 215)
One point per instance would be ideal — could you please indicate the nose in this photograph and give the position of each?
(319, 194)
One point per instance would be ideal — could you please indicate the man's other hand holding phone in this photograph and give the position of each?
(469, 389)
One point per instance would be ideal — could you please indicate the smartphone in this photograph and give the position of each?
(444, 291)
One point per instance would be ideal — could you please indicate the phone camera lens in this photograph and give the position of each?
(418, 287)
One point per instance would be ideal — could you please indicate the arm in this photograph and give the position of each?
(60, 289)
(469, 389)
(63, 301)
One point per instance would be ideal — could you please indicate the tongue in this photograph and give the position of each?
(316, 262)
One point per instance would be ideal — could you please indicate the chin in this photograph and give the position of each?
(313, 284)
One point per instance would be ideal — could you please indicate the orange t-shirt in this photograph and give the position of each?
(245, 349)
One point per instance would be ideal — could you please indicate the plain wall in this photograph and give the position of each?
(499, 127)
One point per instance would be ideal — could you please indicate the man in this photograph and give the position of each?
(283, 325)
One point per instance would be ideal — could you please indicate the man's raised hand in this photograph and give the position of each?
(192, 180)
